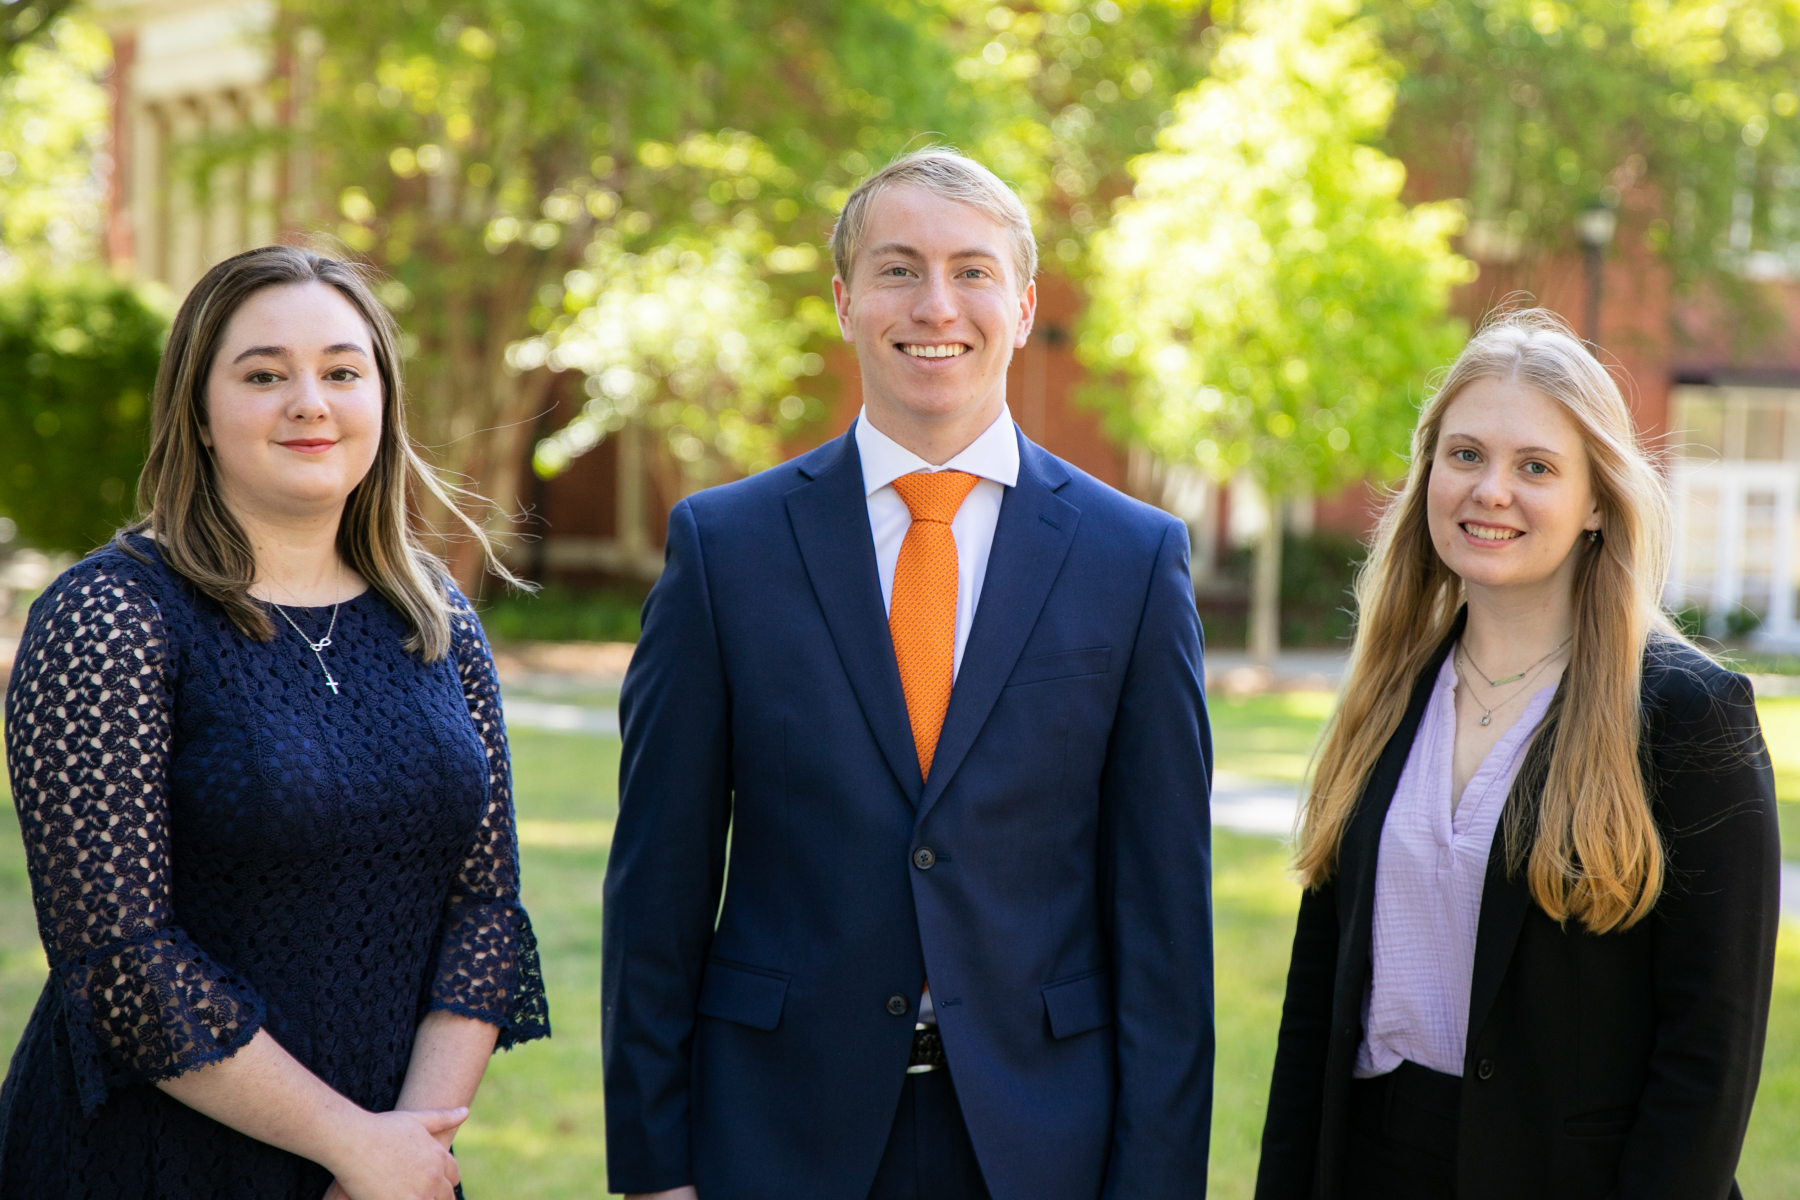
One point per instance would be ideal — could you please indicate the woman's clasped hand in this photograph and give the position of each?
(398, 1156)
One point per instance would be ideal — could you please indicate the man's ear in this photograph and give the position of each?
(1027, 315)
(840, 295)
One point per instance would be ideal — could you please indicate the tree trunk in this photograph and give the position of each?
(1265, 590)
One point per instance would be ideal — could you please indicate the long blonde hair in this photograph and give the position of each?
(1589, 844)
(178, 493)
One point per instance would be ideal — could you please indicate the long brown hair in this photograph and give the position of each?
(1589, 845)
(179, 502)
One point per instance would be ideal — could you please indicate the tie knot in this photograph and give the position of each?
(934, 495)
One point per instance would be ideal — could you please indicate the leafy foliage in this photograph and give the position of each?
(1266, 302)
(502, 159)
(53, 125)
(23, 23)
(1681, 111)
(79, 354)
(1065, 92)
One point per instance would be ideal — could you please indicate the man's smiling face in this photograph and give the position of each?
(934, 310)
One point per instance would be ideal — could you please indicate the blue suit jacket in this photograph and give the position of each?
(1065, 923)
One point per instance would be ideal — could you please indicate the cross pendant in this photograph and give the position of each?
(333, 685)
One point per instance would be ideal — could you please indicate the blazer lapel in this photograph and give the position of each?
(1032, 538)
(830, 517)
(1505, 899)
(1362, 837)
(1361, 847)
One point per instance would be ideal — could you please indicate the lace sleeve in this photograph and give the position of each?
(488, 965)
(87, 736)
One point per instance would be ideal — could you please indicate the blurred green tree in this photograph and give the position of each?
(1266, 303)
(1684, 112)
(53, 130)
(24, 22)
(1064, 92)
(79, 353)
(490, 156)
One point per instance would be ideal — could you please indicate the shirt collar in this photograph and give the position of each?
(994, 455)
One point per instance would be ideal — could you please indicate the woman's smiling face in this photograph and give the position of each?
(1511, 492)
(293, 401)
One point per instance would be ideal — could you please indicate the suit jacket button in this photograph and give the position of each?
(923, 857)
(1485, 1069)
(897, 1005)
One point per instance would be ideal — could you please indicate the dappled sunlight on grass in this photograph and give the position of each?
(1270, 735)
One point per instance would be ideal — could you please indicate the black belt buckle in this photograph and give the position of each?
(927, 1051)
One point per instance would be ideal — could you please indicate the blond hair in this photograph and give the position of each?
(950, 176)
(1578, 821)
(179, 500)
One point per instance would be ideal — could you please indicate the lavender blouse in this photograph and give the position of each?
(1428, 882)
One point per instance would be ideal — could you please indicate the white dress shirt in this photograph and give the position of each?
(993, 458)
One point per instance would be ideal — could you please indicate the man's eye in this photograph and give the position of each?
(896, 272)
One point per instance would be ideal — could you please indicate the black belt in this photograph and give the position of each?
(927, 1051)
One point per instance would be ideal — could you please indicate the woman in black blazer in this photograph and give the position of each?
(1587, 962)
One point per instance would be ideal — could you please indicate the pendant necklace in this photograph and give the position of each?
(1487, 714)
(319, 646)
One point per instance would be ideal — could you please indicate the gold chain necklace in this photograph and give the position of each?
(1487, 713)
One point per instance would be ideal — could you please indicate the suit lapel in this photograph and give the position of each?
(1031, 539)
(830, 518)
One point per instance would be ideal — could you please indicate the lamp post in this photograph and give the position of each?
(1594, 228)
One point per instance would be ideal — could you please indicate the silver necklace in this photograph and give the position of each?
(1487, 714)
(319, 646)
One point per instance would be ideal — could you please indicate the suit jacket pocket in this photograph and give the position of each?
(1065, 665)
(1078, 1005)
(1608, 1122)
(747, 995)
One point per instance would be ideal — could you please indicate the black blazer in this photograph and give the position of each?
(1616, 1065)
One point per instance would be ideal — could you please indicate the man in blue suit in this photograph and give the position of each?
(924, 706)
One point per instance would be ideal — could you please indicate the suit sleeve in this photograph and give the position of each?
(1290, 1140)
(666, 870)
(1158, 859)
(1713, 956)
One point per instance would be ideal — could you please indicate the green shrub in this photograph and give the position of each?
(1741, 622)
(78, 357)
(559, 614)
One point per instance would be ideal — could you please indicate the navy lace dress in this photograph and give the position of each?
(219, 844)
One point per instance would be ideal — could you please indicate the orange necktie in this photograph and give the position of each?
(922, 612)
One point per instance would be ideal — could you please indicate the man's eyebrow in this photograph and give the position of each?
(895, 248)
(912, 252)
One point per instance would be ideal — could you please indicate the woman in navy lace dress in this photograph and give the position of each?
(262, 777)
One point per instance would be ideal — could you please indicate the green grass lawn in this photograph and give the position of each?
(537, 1128)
